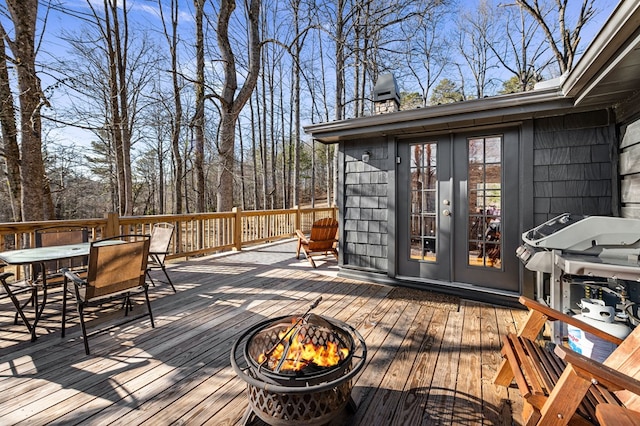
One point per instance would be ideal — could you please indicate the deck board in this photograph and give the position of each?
(426, 364)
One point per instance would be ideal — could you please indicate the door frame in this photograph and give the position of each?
(512, 158)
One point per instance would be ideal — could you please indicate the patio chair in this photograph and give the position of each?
(161, 235)
(321, 241)
(58, 236)
(13, 289)
(560, 386)
(117, 268)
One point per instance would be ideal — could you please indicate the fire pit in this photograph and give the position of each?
(298, 368)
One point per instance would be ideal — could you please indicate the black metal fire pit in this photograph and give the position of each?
(294, 389)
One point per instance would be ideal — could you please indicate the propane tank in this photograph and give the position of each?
(595, 313)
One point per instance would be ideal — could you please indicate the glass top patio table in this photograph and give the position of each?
(44, 254)
(30, 256)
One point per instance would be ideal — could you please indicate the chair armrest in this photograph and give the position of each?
(301, 236)
(5, 275)
(71, 275)
(593, 370)
(554, 315)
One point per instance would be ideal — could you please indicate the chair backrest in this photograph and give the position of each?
(323, 233)
(116, 266)
(161, 235)
(626, 359)
(62, 235)
(59, 236)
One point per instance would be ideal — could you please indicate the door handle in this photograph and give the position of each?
(446, 212)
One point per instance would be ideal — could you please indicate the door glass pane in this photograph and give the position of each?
(485, 202)
(423, 193)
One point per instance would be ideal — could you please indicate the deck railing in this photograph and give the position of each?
(195, 234)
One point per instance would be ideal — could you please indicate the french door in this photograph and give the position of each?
(458, 209)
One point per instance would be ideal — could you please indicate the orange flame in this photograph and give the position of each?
(301, 354)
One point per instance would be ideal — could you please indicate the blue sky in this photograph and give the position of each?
(144, 13)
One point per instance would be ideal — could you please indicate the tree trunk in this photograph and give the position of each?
(121, 41)
(9, 134)
(177, 122)
(34, 203)
(232, 104)
(115, 125)
(254, 157)
(340, 66)
(198, 119)
(297, 49)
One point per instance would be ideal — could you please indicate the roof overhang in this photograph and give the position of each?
(447, 117)
(607, 74)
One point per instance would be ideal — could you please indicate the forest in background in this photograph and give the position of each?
(178, 106)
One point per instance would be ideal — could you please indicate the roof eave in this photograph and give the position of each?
(602, 54)
(499, 107)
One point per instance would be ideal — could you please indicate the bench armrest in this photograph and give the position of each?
(593, 370)
(614, 415)
(554, 315)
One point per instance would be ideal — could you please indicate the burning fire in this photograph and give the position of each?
(301, 354)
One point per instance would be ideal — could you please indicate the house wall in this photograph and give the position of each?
(630, 169)
(573, 171)
(573, 168)
(364, 239)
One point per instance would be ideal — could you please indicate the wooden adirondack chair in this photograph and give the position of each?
(321, 241)
(560, 386)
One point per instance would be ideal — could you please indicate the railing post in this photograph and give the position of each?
(298, 219)
(112, 228)
(237, 229)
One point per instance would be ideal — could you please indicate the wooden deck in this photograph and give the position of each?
(430, 359)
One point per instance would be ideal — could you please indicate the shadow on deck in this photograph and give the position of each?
(430, 361)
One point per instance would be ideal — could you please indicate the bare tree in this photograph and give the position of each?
(563, 40)
(176, 122)
(117, 108)
(518, 49)
(35, 198)
(197, 123)
(11, 149)
(426, 51)
(106, 72)
(296, 74)
(475, 35)
(232, 101)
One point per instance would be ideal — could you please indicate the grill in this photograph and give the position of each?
(288, 383)
(594, 257)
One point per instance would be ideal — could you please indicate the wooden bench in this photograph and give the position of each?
(562, 387)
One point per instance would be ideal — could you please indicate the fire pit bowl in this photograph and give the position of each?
(286, 385)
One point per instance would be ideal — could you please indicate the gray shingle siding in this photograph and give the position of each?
(630, 169)
(572, 165)
(365, 205)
